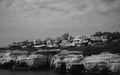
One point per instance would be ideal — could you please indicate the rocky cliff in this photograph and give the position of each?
(22, 61)
(104, 62)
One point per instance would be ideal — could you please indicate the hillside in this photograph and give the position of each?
(113, 47)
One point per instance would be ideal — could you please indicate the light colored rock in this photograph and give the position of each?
(22, 60)
(5, 58)
(67, 57)
(32, 60)
(102, 62)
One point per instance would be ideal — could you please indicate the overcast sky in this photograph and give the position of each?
(34, 19)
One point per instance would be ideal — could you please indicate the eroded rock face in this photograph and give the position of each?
(30, 61)
(6, 61)
(22, 61)
(102, 62)
(65, 60)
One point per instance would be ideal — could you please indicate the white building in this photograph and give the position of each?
(99, 38)
(78, 40)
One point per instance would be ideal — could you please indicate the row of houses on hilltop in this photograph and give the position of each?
(58, 42)
(78, 40)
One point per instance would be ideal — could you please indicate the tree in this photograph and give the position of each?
(39, 41)
(98, 33)
(26, 42)
(65, 36)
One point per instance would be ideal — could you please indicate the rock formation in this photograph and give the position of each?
(65, 60)
(22, 61)
(102, 62)
(74, 61)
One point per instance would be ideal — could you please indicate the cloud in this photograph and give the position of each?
(1, 1)
(59, 10)
(108, 7)
(109, 1)
(68, 7)
(63, 5)
(24, 19)
(55, 5)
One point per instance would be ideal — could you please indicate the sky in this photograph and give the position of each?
(34, 19)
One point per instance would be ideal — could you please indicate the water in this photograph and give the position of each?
(9, 72)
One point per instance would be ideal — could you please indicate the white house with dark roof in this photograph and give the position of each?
(79, 40)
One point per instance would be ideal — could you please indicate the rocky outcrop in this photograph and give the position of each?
(30, 61)
(65, 60)
(22, 61)
(6, 61)
(103, 62)
(72, 62)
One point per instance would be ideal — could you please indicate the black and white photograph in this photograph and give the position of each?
(59, 37)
